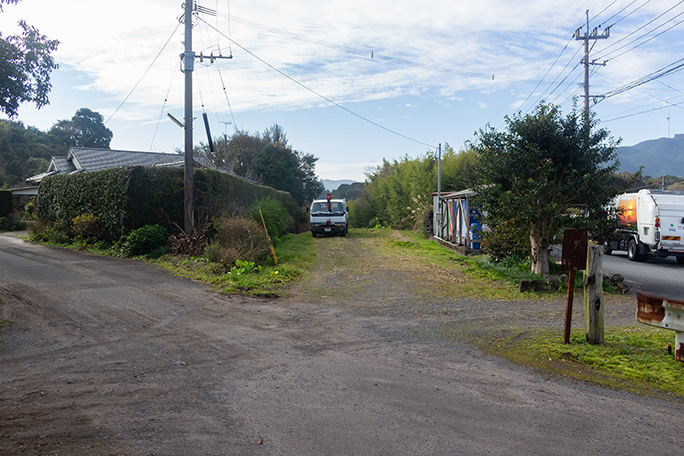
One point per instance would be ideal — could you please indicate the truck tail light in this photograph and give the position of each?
(657, 222)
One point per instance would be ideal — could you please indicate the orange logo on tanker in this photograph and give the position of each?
(627, 210)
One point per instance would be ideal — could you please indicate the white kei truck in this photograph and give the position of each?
(329, 216)
(650, 223)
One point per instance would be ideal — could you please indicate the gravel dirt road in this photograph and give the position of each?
(116, 357)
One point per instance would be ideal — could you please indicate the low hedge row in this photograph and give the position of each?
(124, 199)
(6, 202)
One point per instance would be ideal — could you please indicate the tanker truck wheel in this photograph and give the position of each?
(633, 253)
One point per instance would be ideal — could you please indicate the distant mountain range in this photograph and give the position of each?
(331, 185)
(659, 157)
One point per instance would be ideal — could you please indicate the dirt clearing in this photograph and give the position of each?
(117, 357)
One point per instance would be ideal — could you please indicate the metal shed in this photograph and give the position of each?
(456, 223)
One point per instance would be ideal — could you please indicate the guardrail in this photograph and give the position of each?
(663, 313)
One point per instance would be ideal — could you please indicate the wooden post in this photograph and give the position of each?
(593, 295)
(568, 306)
(573, 258)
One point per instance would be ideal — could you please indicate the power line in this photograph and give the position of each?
(368, 53)
(669, 69)
(605, 54)
(329, 100)
(643, 112)
(144, 74)
(625, 16)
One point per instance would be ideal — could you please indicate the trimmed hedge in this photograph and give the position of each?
(128, 198)
(6, 203)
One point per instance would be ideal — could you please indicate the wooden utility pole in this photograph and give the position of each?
(188, 179)
(593, 295)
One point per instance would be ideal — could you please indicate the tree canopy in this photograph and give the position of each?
(399, 193)
(85, 129)
(26, 151)
(544, 165)
(268, 159)
(25, 67)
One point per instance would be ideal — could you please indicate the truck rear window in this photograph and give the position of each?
(322, 207)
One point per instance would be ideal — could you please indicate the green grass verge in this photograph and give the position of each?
(634, 359)
(295, 254)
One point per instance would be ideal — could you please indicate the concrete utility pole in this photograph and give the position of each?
(188, 58)
(589, 36)
(188, 179)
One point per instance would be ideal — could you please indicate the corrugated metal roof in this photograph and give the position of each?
(96, 159)
(81, 159)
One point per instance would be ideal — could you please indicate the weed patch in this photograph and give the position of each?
(635, 359)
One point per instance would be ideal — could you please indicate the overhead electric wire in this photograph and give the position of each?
(161, 112)
(660, 100)
(643, 112)
(546, 74)
(369, 53)
(626, 15)
(144, 74)
(329, 100)
(605, 54)
(637, 71)
(669, 69)
(604, 22)
(651, 38)
(604, 9)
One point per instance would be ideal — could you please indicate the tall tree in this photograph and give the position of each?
(541, 167)
(268, 158)
(85, 129)
(25, 67)
(24, 151)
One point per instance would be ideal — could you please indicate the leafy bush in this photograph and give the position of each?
(506, 241)
(29, 209)
(9, 223)
(146, 240)
(6, 203)
(86, 226)
(276, 217)
(245, 267)
(57, 233)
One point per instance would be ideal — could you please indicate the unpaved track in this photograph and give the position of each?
(111, 356)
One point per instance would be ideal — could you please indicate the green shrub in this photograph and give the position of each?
(276, 217)
(86, 226)
(506, 241)
(10, 223)
(29, 209)
(150, 239)
(6, 203)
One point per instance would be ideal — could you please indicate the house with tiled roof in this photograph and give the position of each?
(82, 159)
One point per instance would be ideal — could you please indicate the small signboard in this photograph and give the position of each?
(575, 244)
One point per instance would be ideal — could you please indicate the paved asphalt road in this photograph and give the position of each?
(659, 276)
(112, 356)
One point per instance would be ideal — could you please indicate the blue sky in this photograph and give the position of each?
(413, 74)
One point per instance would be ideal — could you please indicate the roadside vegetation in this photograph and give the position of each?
(637, 359)
(634, 358)
(391, 215)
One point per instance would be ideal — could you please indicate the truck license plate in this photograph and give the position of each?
(327, 230)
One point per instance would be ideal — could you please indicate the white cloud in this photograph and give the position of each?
(434, 54)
